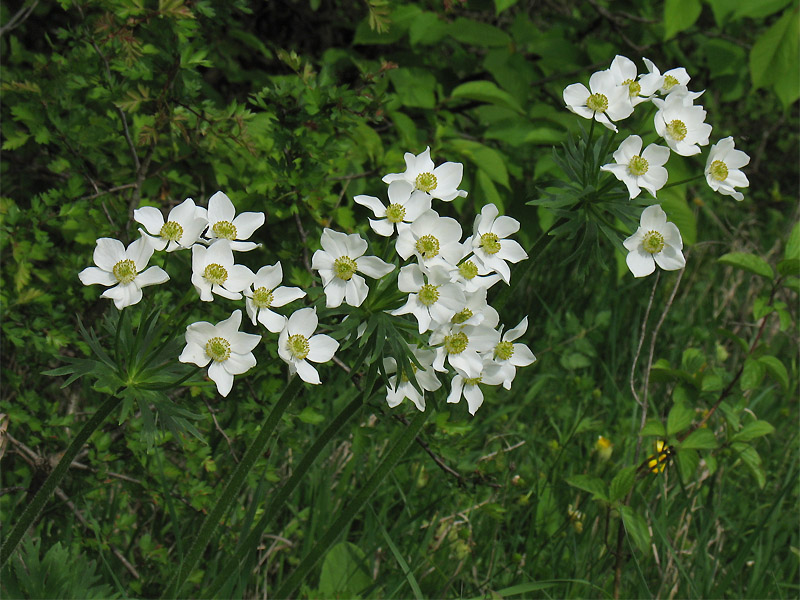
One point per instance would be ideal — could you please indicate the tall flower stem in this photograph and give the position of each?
(51, 483)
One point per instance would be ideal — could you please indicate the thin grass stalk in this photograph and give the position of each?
(51, 483)
(228, 495)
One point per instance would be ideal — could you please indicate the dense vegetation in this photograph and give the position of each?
(295, 107)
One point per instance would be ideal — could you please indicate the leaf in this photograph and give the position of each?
(622, 483)
(758, 10)
(679, 15)
(479, 34)
(747, 262)
(309, 415)
(687, 461)
(792, 250)
(501, 5)
(679, 418)
(776, 368)
(414, 87)
(773, 58)
(343, 572)
(653, 428)
(752, 459)
(700, 439)
(753, 430)
(486, 91)
(752, 374)
(675, 205)
(485, 158)
(789, 266)
(636, 528)
(593, 485)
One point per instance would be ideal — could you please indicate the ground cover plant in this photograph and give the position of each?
(399, 299)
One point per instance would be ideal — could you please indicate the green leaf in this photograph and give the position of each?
(636, 528)
(593, 485)
(485, 158)
(753, 430)
(747, 262)
(679, 15)
(414, 86)
(486, 91)
(752, 374)
(687, 461)
(693, 360)
(344, 572)
(751, 458)
(679, 418)
(776, 368)
(792, 250)
(622, 483)
(773, 58)
(793, 283)
(674, 203)
(759, 9)
(478, 34)
(501, 5)
(789, 266)
(309, 415)
(700, 439)
(653, 428)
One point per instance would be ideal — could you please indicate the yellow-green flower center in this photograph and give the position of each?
(719, 170)
(171, 231)
(298, 346)
(426, 182)
(428, 246)
(504, 351)
(676, 129)
(428, 294)
(468, 269)
(490, 243)
(225, 230)
(670, 82)
(462, 316)
(472, 380)
(218, 349)
(216, 273)
(456, 343)
(653, 242)
(404, 376)
(125, 270)
(395, 213)
(597, 103)
(344, 267)
(633, 87)
(638, 166)
(262, 297)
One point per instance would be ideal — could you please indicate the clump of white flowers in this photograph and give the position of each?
(679, 121)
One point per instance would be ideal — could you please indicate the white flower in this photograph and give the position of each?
(507, 356)
(341, 257)
(655, 242)
(682, 126)
(637, 169)
(624, 71)
(462, 346)
(213, 271)
(435, 240)
(467, 384)
(723, 168)
(181, 229)
(605, 101)
(670, 79)
(124, 269)
(441, 182)
(426, 378)
(265, 294)
(467, 273)
(489, 243)
(224, 224)
(297, 344)
(229, 350)
(476, 310)
(405, 205)
(435, 301)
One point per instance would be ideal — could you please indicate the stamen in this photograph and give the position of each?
(468, 269)
(676, 129)
(218, 349)
(638, 166)
(490, 243)
(428, 246)
(262, 297)
(653, 242)
(395, 213)
(670, 82)
(216, 273)
(472, 380)
(426, 182)
(456, 343)
(298, 346)
(125, 270)
(462, 317)
(171, 231)
(633, 87)
(719, 170)
(225, 230)
(428, 294)
(504, 351)
(344, 268)
(597, 103)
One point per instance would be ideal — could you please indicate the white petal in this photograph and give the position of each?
(199, 333)
(230, 326)
(322, 260)
(108, 253)
(283, 295)
(151, 218)
(456, 388)
(242, 343)
(220, 208)
(399, 192)
(239, 363)
(335, 291)
(124, 294)
(511, 251)
(321, 348)
(221, 377)
(640, 262)
(93, 275)
(194, 354)
(356, 291)
(576, 94)
(373, 266)
(382, 227)
(670, 259)
(653, 218)
(303, 322)
(334, 242)
(375, 205)
(307, 372)
(474, 397)
(246, 224)
(272, 321)
(152, 276)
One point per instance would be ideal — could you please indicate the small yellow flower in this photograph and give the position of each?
(576, 518)
(604, 447)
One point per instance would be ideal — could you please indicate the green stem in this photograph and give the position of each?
(227, 498)
(247, 546)
(683, 181)
(398, 451)
(51, 483)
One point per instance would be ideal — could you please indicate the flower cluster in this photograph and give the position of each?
(612, 96)
(445, 279)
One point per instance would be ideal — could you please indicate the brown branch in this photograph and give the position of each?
(19, 18)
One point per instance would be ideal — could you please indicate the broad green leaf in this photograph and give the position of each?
(478, 34)
(622, 483)
(700, 439)
(753, 430)
(747, 262)
(675, 205)
(792, 250)
(501, 5)
(679, 418)
(752, 374)
(693, 359)
(414, 86)
(653, 428)
(793, 283)
(679, 15)
(687, 461)
(488, 190)
(776, 369)
(636, 528)
(752, 459)
(344, 572)
(758, 9)
(593, 485)
(484, 158)
(773, 58)
(486, 91)
(310, 416)
(789, 266)
(427, 29)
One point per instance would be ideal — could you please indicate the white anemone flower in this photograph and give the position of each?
(468, 385)
(669, 80)
(440, 182)
(225, 224)
(338, 261)
(405, 205)
(639, 90)
(435, 240)
(213, 272)
(432, 298)
(490, 244)
(267, 293)
(507, 355)
(476, 310)
(462, 346)
(400, 386)
(182, 228)
(229, 350)
(123, 268)
(604, 100)
(297, 345)
(637, 169)
(723, 168)
(682, 126)
(656, 242)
